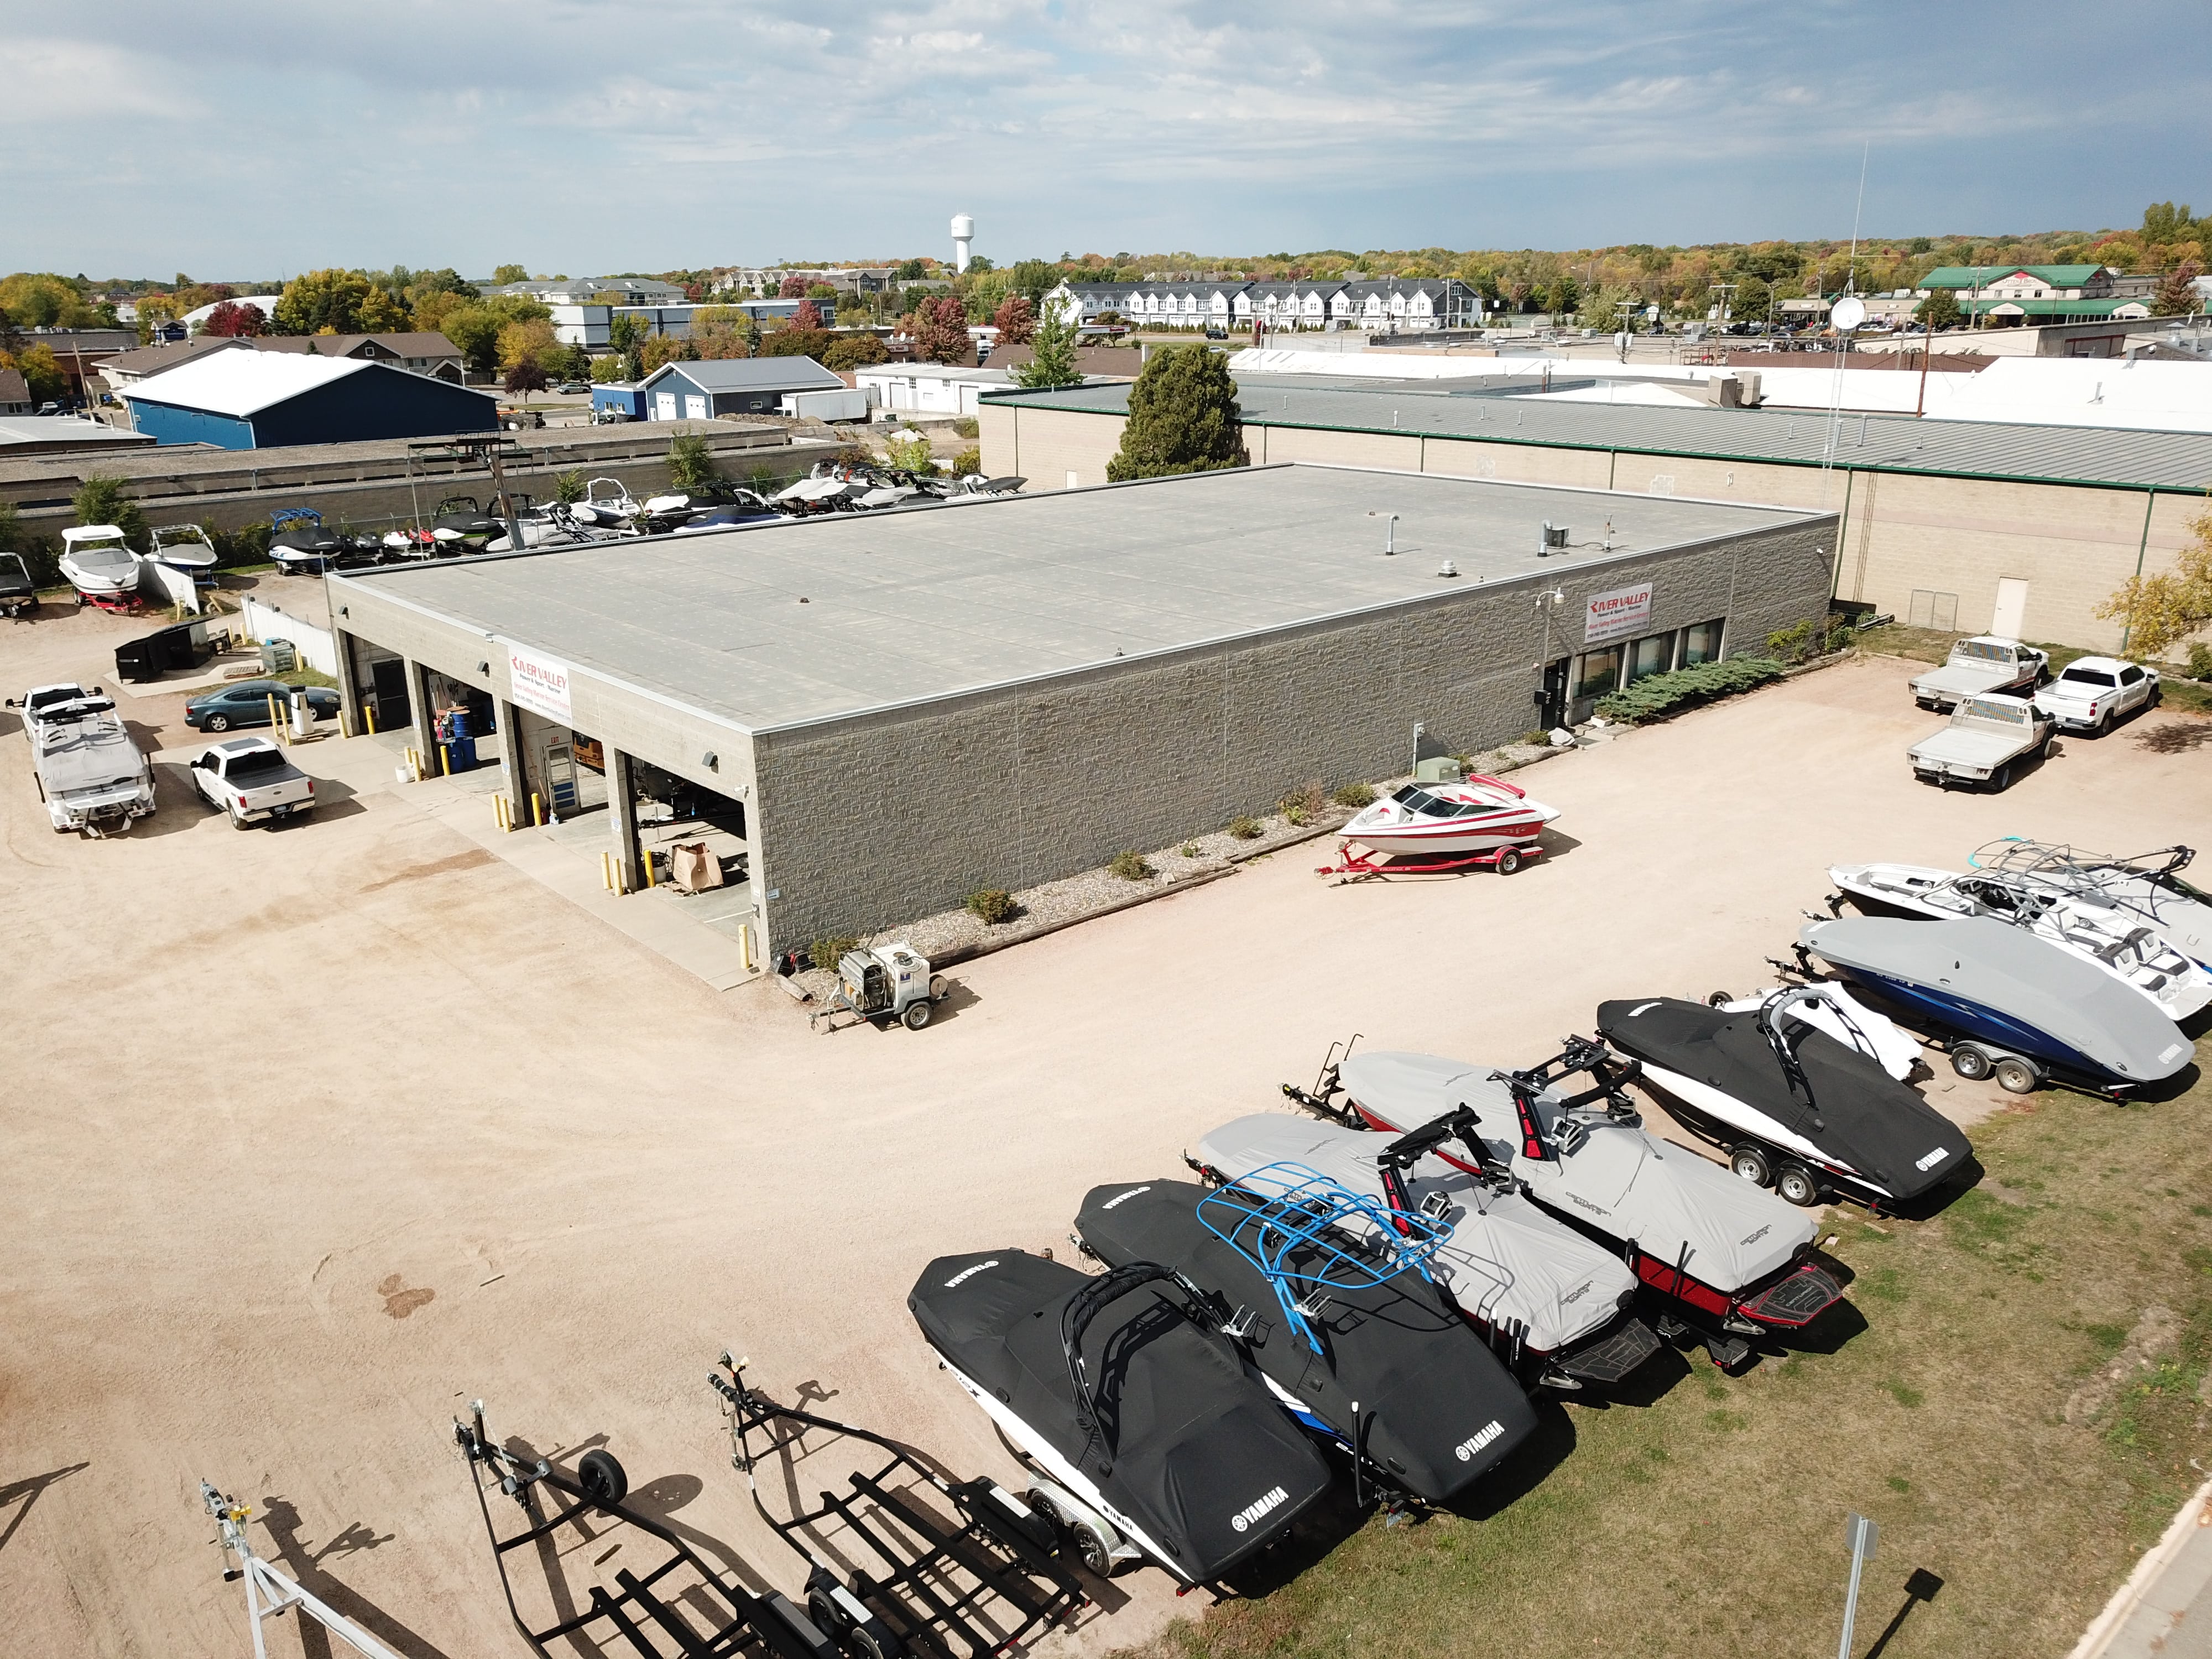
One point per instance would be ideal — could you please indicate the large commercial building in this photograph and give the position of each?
(896, 710)
(259, 399)
(1970, 525)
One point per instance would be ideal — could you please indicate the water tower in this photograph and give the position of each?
(963, 233)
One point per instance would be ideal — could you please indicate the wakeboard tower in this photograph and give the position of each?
(1330, 1299)
(1725, 1259)
(1794, 1108)
(1121, 1392)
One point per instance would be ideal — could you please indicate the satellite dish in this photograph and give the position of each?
(1848, 312)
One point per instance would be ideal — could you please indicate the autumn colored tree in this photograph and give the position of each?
(807, 317)
(792, 287)
(813, 343)
(2177, 294)
(40, 369)
(940, 331)
(1015, 320)
(724, 331)
(2163, 610)
(532, 341)
(526, 376)
(660, 349)
(853, 351)
(230, 320)
(322, 302)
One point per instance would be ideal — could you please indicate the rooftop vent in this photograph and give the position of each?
(1553, 540)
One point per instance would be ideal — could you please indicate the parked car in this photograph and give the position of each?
(574, 388)
(1976, 666)
(2092, 692)
(251, 779)
(247, 703)
(1986, 738)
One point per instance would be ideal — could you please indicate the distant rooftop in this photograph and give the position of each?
(933, 602)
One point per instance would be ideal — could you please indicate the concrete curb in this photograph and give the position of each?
(2097, 1639)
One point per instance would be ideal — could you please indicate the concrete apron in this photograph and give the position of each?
(562, 858)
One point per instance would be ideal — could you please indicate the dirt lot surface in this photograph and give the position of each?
(313, 1135)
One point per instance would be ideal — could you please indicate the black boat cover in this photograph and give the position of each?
(1845, 1107)
(1437, 1409)
(1186, 1444)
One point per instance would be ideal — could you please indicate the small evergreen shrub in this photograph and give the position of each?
(1354, 795)
(1244, 827)
(967, 426)
(2200, 661)
(1189, 850)
(827, 952)
(992, 906)
(1130, 866)
(1687, 688)
(1791, 644)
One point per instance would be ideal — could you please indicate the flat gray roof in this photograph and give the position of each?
(2111, 457)
(920, 604)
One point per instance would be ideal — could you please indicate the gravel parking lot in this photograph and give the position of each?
(312, 1136)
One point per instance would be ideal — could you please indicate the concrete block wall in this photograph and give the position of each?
(874, 820)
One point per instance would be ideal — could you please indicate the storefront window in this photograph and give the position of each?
(1648, 657)
(1597, 672)
(1701, 644)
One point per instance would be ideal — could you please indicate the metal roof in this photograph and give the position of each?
(2131, 459)
(242, 384)
(749, 374)
(815, 618)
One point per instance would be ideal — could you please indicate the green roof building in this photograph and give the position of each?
(2021, 281)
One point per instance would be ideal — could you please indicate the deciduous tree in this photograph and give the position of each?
(505, 274)
(940, 331)
(322, 302)
(2163, 610)
(526, 376)
(813, 343)
(690, 461)
(105, 500)
(808, 317)
(40, 369)
(660, 349)
(2177, 294)
(1940, 310)
(792, 287)
(1015, 320)
(851, 351)
(1183, 418)
(231, 320)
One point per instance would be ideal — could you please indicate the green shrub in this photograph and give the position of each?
(1188, 849)
(1354, 795)
(1244, 827)
(992, 906)
(968, 463)
(105, 500)
(568, 487)
(1791, 644)
(2200, 661)
(690, 461)
(967, 426)
(1686, 688)
(1303, 805)
(1130, 866)
(827, 952)
(247, 545)
(1840, 634)
(1535, 734)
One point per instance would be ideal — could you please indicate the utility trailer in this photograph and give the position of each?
(676, 1610)
(270, 1593)
(901, 1562)
(1985, 738)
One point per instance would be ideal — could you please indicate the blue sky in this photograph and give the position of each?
(260, 137)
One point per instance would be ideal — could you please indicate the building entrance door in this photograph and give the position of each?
(2012, 608)
(1551, 701)
(561, 776)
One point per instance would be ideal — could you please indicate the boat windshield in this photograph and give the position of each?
(1416, 800)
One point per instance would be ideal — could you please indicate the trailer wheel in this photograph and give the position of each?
(603, 1477)
(1970, 1061)
(1798, 1184)
(1751, 1164)
(917, 1014)
(2016, 1076)
(1509, 861)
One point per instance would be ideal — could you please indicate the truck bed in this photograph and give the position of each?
(1963, 746)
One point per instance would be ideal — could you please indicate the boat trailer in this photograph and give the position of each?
(269, 1592)
(1358, 863)
(890, 1573)
(655, 1615)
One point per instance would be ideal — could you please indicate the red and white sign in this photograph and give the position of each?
(1624, 610)
(539, 685)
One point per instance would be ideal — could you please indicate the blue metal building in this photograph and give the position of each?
(264, 400)
(625, 400)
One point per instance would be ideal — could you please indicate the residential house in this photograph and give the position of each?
(14, 392)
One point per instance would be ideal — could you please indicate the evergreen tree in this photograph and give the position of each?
(1052, 362)
(1183, 418)
(104, 499)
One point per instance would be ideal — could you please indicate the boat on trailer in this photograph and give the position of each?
(99, 564)
(1444, 826)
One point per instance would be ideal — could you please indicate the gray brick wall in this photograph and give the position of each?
(870, 820)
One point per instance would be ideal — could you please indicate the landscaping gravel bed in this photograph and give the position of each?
(952, 936)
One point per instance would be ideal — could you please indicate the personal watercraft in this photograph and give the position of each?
(2008, 1003)
(1791, 1106)
(1332, 1306)
(1723, 1253)
(2093, 929)
(1121, 1389)
(2146, 885)
(1551, 1303)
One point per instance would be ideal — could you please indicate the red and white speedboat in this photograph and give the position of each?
(1478, 815)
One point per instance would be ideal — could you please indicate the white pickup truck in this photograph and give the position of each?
(1986, 738)
(1981, 665)
(251, 779)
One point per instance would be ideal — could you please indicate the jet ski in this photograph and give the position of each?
(1792, 1107)
(1344, 1327)
(1724, 1255)
(1121, 1389)
(2010, 1004)
(2094, 929)
(1825, 1005)
(1553, 1305)
(2145, 885)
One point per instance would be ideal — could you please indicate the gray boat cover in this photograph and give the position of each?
(1670, 1202)
(1506, 1260)
(2027, 980)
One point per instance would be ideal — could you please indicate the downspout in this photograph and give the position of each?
(1843, 534)
(2150, 501)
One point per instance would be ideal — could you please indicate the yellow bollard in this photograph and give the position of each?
(648, 867)
(745, 944)
(607, 871)
(537, 812)
(369, 714)
(444, 760)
